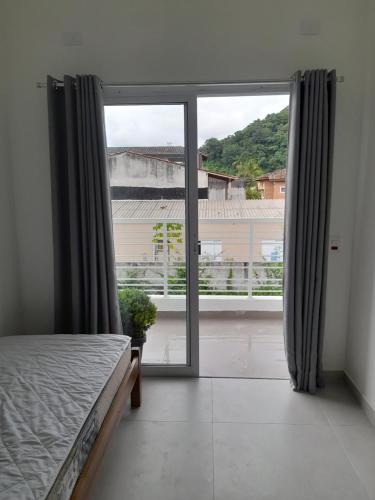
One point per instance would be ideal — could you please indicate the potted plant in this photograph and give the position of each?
(138, 313)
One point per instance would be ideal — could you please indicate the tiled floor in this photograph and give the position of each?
(233, 439)
(231, 345)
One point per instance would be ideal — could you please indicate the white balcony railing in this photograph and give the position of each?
(168, 279)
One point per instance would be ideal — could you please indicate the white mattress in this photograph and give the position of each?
(48, 386)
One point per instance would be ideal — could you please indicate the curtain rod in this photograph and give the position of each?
(339, 79)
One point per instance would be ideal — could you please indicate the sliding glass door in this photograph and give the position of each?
(153, 184)
(232, 270)
(242, 151)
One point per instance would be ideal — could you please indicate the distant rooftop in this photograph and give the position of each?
(152, 150)
(276, 175)
(207, 209)
(166, 158)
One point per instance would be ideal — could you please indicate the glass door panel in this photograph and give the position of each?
(146, 161)
(242, 156)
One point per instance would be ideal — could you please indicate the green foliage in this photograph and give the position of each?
(177, 281)
(214, 148)
(212, 166)
(205, 280)
(264, 275)
(137, 311)
(135, 276)
(229, 279)
(252, 193)
(263, 141)
(174, 234)
(249, 171)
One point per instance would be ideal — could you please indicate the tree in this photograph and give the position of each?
(249, 171)
(230, 155)
(264, 141)
(213, 149)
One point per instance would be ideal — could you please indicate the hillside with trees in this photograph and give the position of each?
(262, 145)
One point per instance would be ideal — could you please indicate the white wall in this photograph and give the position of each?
(132, 170)
(176, 40)
(360, 359)
(9, 296)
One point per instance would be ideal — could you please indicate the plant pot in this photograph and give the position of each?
(138, 342)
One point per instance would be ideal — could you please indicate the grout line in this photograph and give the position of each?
(212, 399)
(169, 421)
(300, 424)
(236, 422)
(342, 447)
(320, 408)
(366, 407)
(242, 377)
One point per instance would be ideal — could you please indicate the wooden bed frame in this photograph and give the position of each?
(130, 385)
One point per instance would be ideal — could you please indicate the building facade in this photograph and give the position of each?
(272, 185)
(139, 176)
(228, 230)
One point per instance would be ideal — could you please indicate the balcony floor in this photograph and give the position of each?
(231, 345)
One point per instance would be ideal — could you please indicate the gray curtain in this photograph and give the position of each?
(309, 173)
(84, 269)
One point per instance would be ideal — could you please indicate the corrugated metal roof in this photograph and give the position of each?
(208, 209)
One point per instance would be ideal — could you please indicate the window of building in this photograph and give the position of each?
(158, 249)
(272, 250)
(211, 250)
(282, 189)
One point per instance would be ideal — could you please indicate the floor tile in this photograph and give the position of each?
(166, 341)
(282, 462)
(358, 442)
(231, 345)
(263, 401)
(222, 356)
(177, 399)
(157, 461)
(251, 355)
(339, 404)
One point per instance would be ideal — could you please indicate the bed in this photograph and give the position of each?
(60, 398)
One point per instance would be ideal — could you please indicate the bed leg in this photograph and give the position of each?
(136, 394)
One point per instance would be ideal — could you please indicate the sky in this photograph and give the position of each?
(163, 125)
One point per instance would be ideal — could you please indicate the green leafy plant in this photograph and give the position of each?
(177, 281)
(249, 171)
(230, 279)
(137, 311)
(173, 235)
(205, 279)
(269, 278)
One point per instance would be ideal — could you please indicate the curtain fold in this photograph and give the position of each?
(309, 174)
(84, 268)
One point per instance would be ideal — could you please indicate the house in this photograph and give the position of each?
(240, 252)
(229, 230)
(272, 185)
(171, 153)
(145, 176)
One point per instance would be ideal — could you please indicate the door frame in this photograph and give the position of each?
(191, 368)
(187, 95)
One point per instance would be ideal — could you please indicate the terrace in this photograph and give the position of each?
(240, 281)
